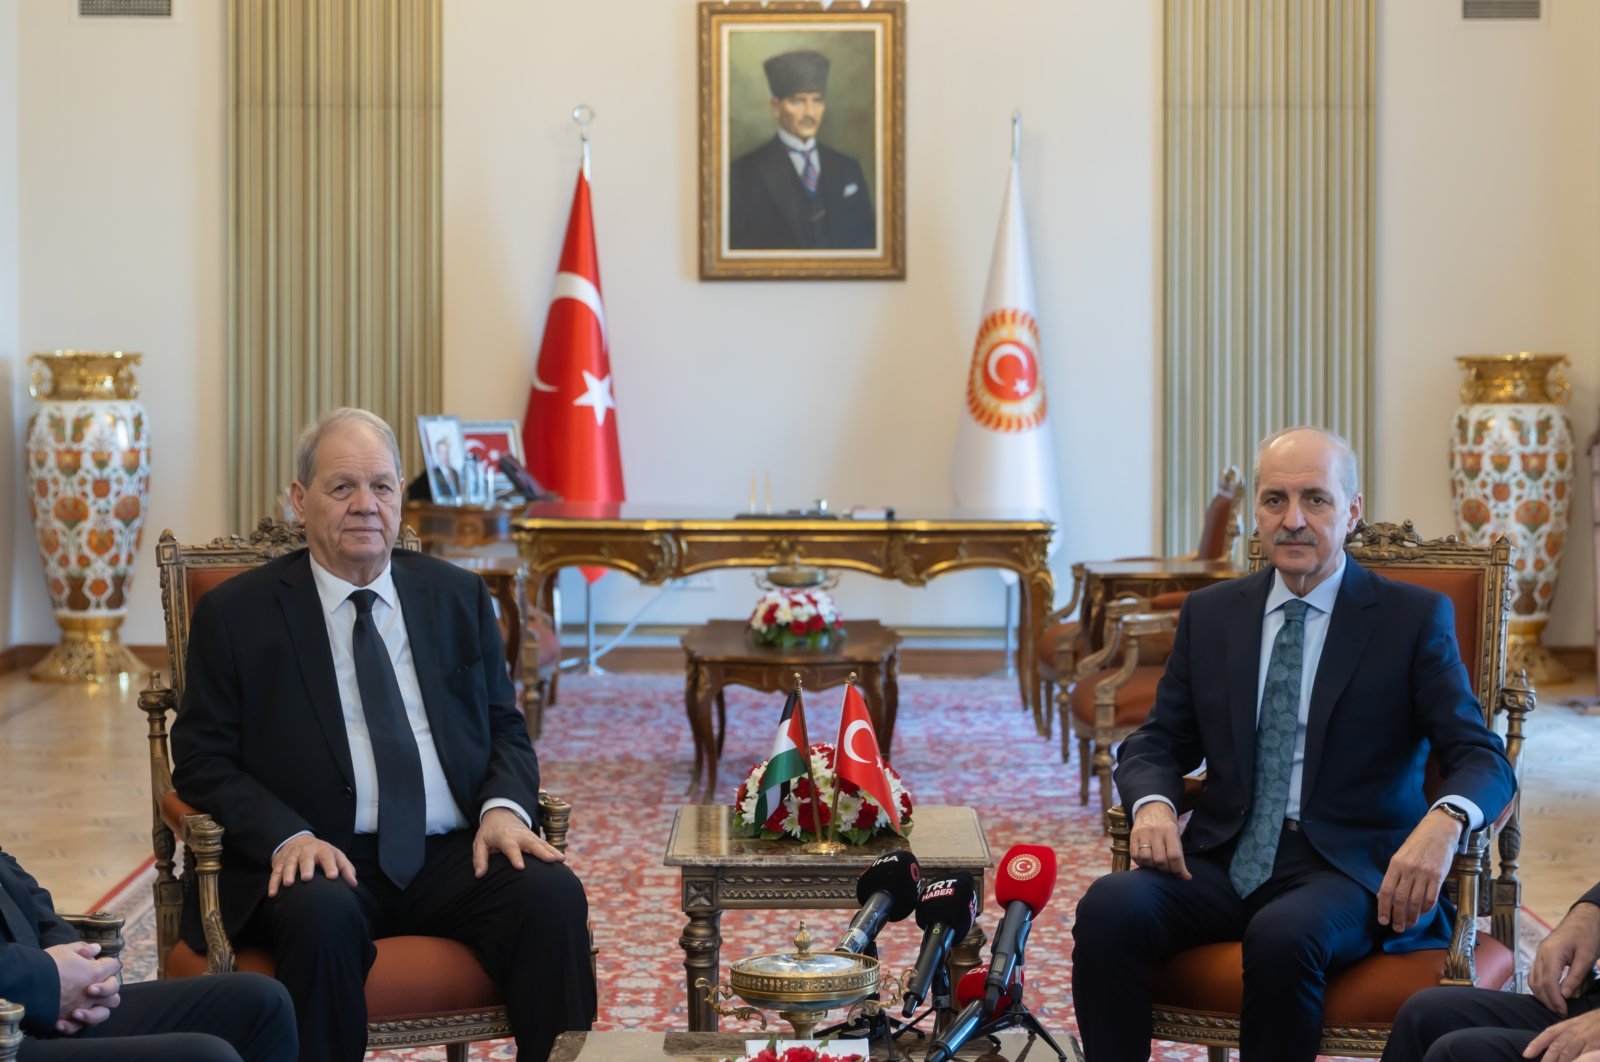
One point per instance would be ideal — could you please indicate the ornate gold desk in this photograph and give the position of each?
(655, 543)
(723, 870)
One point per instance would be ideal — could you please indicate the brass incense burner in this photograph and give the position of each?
(801, 986)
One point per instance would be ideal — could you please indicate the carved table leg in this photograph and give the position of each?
(1037, 589)
(891, 700)
(691, 695)
(967, 954)
(702, 948)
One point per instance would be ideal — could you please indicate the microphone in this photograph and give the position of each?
(970, 987)
(887, 892)
(1022, 887)
(945, 911)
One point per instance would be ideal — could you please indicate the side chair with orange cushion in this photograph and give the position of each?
(1115, 687)
(1062, 641)
(1198, 992)
(421, 990)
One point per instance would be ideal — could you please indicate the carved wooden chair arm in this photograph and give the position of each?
(10, 1029)
(1111, 644)
(202, 837)
(1061, 614)
(101, 927)
(1517, 698)
(555, 819)
(1467, 875)
(1132, 629)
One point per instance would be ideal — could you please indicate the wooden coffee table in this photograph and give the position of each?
(723, 870)
(720, 653)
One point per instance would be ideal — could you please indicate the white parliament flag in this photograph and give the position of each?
(1004, 455)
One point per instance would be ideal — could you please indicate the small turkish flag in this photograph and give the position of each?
(570, 430)
(856, 757)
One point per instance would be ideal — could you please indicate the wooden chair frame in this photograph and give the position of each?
(1475, 888)
(1064, 667)
(173, 821)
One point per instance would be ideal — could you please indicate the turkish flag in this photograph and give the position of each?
(570, 430)
(856, 756)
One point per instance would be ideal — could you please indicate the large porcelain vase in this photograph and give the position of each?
(88, 457)
(1511, 458)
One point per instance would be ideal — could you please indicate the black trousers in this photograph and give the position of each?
(223, 1018)
(1473, 1024)
(529, 929)
(1309, 918)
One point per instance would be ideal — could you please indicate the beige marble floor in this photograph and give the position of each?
(77, 811)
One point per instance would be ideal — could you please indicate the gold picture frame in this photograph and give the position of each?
(802, 140)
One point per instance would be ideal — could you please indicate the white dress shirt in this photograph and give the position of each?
(1319, 614)
(339, 612)
(799, 151)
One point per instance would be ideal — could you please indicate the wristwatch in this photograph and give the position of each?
(1457, 812)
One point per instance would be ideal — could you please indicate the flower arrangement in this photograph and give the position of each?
(797, 1053)
(860, 816)
(793, 616)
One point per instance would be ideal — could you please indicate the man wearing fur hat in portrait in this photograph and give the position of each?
(794, 192)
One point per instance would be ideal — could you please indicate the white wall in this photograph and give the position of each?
(1488, 240)
(849, 391)
(13, 513)
(121, 165)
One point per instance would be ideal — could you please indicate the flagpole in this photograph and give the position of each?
(832, 845)
(583, 114)
(811, 773)
(1016, 136)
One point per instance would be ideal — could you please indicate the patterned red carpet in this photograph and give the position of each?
(618, 747)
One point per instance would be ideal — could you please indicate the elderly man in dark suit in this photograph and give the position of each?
(74, 1009)
(1560, 1022)
(1313, 692)
(348, 717)
(793, 192)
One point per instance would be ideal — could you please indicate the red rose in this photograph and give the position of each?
(770, 617)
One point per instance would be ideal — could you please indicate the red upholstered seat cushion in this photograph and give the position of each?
(1133, 700)
(412, 977)
(1210, 978)
(1049, 643)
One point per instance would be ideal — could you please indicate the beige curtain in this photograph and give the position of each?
(1269, 235)
(334, 226)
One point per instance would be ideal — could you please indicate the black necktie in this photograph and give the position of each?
(401, 814)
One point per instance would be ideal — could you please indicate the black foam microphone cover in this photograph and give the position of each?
(896, 873)
(945, 913)
(887, 892)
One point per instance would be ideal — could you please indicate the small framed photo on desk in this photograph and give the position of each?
(444, 451)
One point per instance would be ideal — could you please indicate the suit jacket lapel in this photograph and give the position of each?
(1348, 632)
(1244, 669)
(302, 611)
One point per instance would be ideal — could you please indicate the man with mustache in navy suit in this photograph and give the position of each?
(1313, 691)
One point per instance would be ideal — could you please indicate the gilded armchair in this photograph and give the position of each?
(1198, 992)
(420, 990)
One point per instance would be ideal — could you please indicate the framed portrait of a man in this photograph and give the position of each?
(802, 134)
(444, 452)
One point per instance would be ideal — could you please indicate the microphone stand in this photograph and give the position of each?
(1016, 1016)
(876, 1022)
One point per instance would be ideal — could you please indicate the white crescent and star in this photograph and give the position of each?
(1000, 353)
(596, 395)
(850, 742)
(579, 289)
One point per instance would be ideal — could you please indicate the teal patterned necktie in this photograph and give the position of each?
(1275, 733)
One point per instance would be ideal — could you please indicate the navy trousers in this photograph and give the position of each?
(1308, 919)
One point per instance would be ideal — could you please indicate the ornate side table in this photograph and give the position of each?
(719, 654)
(723, 870)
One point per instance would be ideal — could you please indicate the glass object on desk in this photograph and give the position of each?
(477, 487)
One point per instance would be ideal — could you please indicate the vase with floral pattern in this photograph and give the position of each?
(88, 458)
(1511, 456)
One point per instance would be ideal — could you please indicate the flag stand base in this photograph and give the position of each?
(823, 847)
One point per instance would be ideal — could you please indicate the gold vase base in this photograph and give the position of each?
(84, 660)
(1525, 652)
